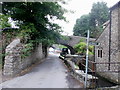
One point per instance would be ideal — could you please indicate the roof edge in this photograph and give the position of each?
(114, 6)
(103, 30)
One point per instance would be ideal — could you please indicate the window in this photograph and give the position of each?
(100, 53)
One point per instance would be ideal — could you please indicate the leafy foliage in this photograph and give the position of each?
(35, 22)
(64, 37)
(34, 19)
(81, 26)
(81, 48)
(99, 13)
(93, 21)
(27, 50)
(4, 21)
(62, 46)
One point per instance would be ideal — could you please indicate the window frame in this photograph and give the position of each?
(100, 53)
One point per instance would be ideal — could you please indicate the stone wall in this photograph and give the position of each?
(14, 63)
(119, 42)
(5, 40)
(114, 53)
(73, 40)
(109, 44)
(103, 41)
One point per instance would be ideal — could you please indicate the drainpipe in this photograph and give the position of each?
(109, 59)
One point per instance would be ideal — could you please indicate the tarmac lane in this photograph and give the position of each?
(49, 74)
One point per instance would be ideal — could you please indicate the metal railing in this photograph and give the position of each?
(93, 69)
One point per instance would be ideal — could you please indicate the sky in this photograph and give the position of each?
(80, 7)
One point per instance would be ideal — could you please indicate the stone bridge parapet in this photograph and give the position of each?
(72, 41)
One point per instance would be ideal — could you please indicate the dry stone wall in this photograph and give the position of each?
(14, 63)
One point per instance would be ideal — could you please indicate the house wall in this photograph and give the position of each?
(103, 41)
(113, 55)
(119, 42)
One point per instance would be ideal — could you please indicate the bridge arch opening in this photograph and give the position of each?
(72, 51)
(60, 46)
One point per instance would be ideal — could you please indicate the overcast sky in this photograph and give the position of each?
(80, 7)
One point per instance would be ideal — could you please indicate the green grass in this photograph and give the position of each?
(62, 46)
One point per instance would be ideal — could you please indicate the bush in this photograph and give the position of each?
(80, 48)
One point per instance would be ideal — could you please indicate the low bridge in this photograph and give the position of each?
(71, 41)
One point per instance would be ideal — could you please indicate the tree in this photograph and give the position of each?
(37, 14)
(81, 26)
(98, 16)
(34, 21)
(93, 21)
(99, 13)
(4, 21)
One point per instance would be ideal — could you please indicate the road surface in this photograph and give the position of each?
(49, 74)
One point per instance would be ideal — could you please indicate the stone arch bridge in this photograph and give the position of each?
(71, 41)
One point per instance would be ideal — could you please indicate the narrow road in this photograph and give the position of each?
(49, 74)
